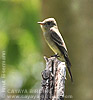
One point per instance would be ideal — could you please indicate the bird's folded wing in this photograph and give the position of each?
(60, 45)
(58, 41)
(56, 38)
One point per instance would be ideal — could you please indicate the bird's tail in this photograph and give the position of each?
(68, 67)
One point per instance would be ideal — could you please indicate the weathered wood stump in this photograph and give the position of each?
(53, 83)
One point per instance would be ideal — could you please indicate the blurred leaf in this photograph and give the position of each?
(13, 54)
(3, 40)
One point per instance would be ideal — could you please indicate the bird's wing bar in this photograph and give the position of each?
(57, 39)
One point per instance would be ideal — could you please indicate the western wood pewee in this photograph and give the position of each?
(55, 41)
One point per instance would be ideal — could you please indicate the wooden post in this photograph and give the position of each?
(53, 83)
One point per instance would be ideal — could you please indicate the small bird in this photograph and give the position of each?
(55, 41)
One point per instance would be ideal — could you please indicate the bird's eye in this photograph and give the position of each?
(48, 23)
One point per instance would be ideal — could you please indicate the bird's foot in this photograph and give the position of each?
(56, 55)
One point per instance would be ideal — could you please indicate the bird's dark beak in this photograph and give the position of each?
(41, 23)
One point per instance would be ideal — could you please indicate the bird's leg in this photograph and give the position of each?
(56, 55)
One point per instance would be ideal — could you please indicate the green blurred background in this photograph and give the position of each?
(24, 45)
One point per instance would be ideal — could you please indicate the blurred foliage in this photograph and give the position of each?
(20, 38)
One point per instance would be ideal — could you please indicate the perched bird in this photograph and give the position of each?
(55, 41)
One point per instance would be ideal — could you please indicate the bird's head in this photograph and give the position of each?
(48, 23)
